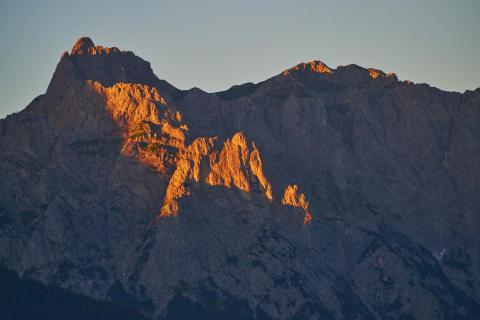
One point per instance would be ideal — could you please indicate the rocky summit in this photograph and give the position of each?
(320, 193)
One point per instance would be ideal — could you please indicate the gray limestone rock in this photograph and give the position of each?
(390, 169)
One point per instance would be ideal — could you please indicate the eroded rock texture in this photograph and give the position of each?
(319, 193)
(292, 197)
(233, 166)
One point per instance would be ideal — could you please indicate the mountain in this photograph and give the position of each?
(26, 299)
(319, 193)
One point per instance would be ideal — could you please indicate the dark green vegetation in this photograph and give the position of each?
(24, 299)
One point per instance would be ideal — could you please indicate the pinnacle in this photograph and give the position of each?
(82, 46)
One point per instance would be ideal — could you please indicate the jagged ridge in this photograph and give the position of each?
(152, 129)
(86, 168)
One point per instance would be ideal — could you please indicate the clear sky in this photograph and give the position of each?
(216, 44)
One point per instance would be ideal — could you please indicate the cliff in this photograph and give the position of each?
(336, 193)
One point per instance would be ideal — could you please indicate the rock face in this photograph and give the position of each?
(292, 198)
(235, 166)
(318, 193)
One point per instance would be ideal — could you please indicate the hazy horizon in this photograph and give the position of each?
(216, 44)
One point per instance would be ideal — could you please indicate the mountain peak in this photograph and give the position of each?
(85, 46)
(82, 46)
(290, 198)
(315, 66)
(107, 65)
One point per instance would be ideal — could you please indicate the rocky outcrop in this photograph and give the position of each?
(187, 168)
(153, 133)
(291, 197)
(234, 166)
(312, 66)
(107, 66)
(85, 46)
(256, 167)
(119, 186)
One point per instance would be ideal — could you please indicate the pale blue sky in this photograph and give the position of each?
(216, 44)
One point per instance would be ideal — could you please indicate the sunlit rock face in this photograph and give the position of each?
(153, 133)
(292, 197)
(318, 193)
(312, 66)
(233, 166)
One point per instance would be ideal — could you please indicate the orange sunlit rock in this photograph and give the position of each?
(292, 197)
(155, 135)
(187, 168)
(312, 66)
(234, 166)
(84, 46)
(176, 135)
(308, 218)
(375, 73)
(257, 169)
(153, 132)
(130, 104)
(230, 167)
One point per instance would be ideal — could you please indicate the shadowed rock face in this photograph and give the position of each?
(318, 193)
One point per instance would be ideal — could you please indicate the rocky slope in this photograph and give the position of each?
(318, 193)
(29, 300)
